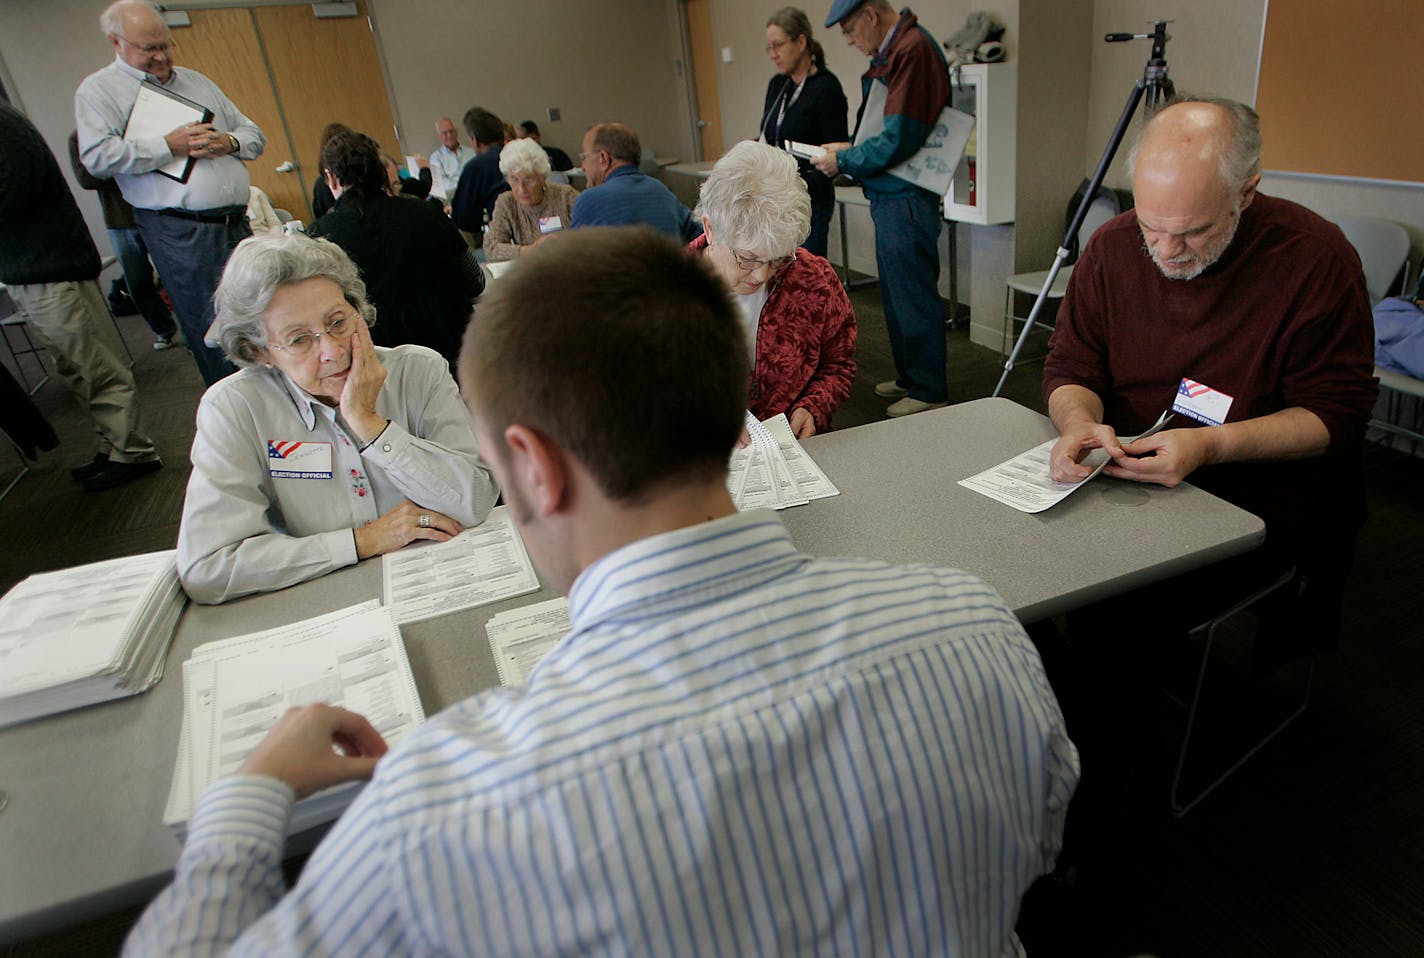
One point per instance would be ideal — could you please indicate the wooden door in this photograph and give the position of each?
(223, 45)
(292, 74)
(326, 71)
(704, 76)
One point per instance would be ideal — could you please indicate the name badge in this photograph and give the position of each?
(1201, 402)
(550, 224)
(290, 459)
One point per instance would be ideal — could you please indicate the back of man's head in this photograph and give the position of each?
(621, 348)
(483, 127)
(618, 140)
(530, 128)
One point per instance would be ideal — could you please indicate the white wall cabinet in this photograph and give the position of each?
(983, 187)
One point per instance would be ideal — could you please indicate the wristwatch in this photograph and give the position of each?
(236, 146)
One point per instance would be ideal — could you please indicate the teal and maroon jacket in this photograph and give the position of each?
(917, 75)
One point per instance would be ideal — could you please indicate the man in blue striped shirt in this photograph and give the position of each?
(738, 749)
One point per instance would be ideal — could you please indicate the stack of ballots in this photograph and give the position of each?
(85, 635)
(234, 690)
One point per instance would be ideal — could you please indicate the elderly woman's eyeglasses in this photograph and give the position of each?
(748, 264)
(300, 344)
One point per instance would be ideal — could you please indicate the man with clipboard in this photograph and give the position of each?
(903, 94)
(175, 144)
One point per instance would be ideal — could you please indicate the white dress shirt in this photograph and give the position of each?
(247, 530)
(738, 750)
(447, 164)
(101, 111)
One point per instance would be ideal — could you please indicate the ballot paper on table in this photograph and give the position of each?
(478, 566)
(158, 112)
(85, 635)
(235, 690)
(520, 638)
(773, 471)
(1024, 481)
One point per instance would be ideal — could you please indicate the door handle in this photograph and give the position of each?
(701, 124)
(287, 167)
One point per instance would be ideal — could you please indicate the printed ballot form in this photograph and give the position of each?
(1024, 481)
(478, 566)
(520, 638)
(773, 471)
(235, 690)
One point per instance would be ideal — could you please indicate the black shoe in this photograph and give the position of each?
(117, 473)
(91, 468)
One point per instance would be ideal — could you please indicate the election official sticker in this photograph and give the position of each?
(1201, 402)
(293, 459)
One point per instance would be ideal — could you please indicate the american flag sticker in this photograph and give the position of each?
(1201, 402)
(295, 459)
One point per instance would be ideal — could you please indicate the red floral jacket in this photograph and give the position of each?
(805, 344)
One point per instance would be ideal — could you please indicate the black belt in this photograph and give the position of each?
(223, 214)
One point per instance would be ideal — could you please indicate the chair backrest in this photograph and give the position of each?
(1383, 246)
(1106, 204)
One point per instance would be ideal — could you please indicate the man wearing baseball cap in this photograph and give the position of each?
(907, 86)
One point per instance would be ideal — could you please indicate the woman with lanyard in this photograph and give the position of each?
(804, 103)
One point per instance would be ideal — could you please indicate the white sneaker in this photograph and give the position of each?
(908, 407)
(890, 389)
(164, 342)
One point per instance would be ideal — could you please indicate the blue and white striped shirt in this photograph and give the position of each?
(737, 750)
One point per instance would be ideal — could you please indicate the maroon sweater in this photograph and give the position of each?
(1281, 320)
(805, 344)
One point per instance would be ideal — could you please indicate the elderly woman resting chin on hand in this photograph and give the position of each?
(799, 323)
(323, 449)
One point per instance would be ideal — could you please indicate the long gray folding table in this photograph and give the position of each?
(82, 834)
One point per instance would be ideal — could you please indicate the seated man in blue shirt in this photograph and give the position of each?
(481, 182)
(737, 748)
(620, 194)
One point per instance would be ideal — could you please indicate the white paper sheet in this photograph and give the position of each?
(520, 638)
(479, 566)
(1024, 481)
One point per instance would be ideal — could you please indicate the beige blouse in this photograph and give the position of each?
(515, 225)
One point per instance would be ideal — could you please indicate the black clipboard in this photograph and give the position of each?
(157, 111)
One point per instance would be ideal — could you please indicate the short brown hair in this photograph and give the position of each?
(622, 348)
(618, 140)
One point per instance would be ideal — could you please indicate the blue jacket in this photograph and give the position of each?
(1399, 336)
(631, 198)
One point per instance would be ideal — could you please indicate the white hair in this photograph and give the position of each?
(755, 198)
(258, 268)
(523, 156)
(112, 19)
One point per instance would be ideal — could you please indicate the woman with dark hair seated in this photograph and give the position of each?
(322, 200)
(419, 273)
(322, 449)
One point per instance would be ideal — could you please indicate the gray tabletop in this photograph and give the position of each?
(83, 835)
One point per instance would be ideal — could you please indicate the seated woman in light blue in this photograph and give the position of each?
(323, 449)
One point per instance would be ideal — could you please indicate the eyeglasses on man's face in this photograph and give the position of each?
(149, 49)
(300, 343)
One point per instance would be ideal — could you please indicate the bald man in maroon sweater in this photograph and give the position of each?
(1254, 298)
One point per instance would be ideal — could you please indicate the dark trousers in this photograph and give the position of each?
(138, 276)
(821, 208)
(907, 256)
(190, 257)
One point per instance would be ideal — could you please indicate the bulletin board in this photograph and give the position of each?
(1341, 88)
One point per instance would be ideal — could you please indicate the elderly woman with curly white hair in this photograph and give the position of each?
(323, 449)
(800, 327)
(533, 209)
